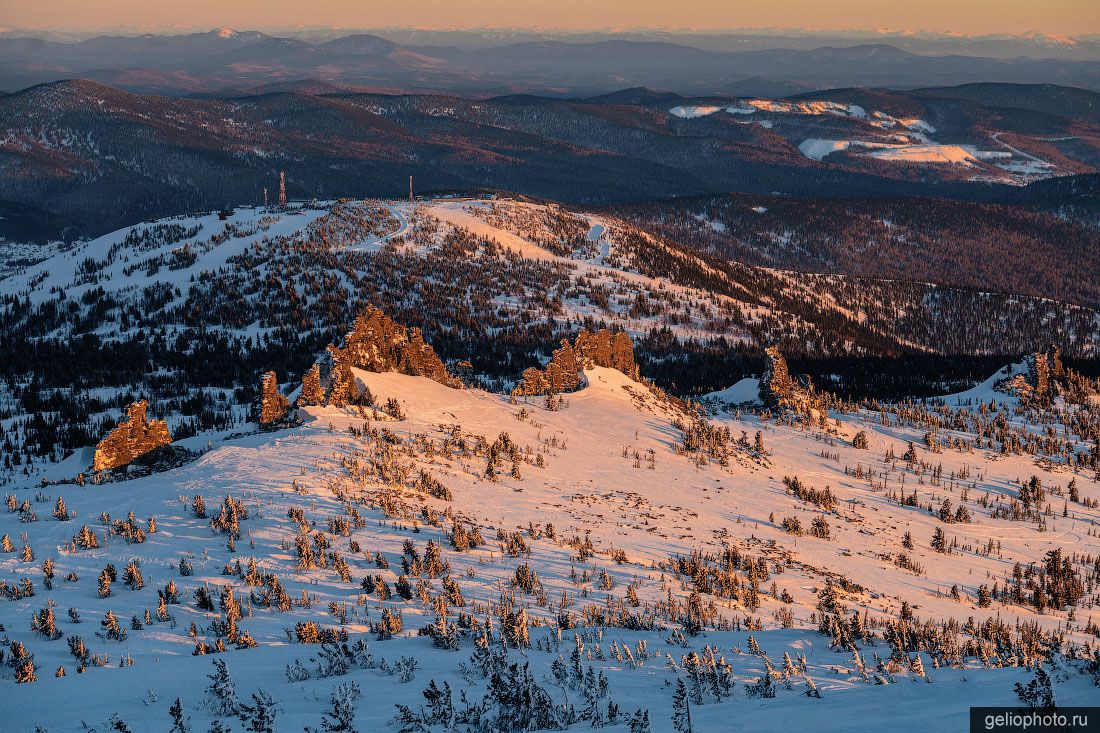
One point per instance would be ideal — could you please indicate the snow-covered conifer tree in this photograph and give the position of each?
(221, 693)
(681, 709)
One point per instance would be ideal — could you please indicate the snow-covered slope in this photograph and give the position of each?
(879, 136)
(186, 311)
(598, 496)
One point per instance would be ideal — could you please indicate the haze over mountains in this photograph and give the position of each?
(135, 126)
(226, 60)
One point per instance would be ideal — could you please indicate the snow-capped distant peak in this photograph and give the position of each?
(226, 32)
(1049, 39)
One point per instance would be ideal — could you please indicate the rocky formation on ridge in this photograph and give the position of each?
(273, 405)
(1048, 378)
(779, 390)
(376, 343)
(133, 438)
(312, 391)
(563, 373)
(344, 389)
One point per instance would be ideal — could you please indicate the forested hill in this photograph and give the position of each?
(1008, 249)
(187, 311)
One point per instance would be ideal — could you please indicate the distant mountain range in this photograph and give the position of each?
(1032, 44)
(228, 61)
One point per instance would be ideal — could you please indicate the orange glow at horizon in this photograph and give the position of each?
(965, 17)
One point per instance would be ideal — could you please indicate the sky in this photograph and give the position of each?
(966, 17)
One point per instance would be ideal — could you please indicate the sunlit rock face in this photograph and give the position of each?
(132, 439)
(562, 374)
(378, 344)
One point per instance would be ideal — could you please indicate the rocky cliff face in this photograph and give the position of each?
(132, 439)
(563, 373)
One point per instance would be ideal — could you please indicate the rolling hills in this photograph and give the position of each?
(93, 158)
(225, 59)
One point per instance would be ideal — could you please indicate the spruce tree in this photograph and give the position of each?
(259, 717)
(681, 709)
(1039, 693)
(221, 693)
(763, 687)
(179, 721)
(85, 539)
(24, 670)
(131, 576)
(341, 717)
(440, 704)
(118, 725)
(111, 630)
(916, 666)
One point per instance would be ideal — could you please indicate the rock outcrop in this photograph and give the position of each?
(563, 373)
(345, 389)
(134, 438)
(376, 343)
(779, 390)
(312, 391)
(1048, 379)
(273, 405)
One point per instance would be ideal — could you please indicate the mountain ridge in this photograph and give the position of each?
(203, 62)
(191, 154)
